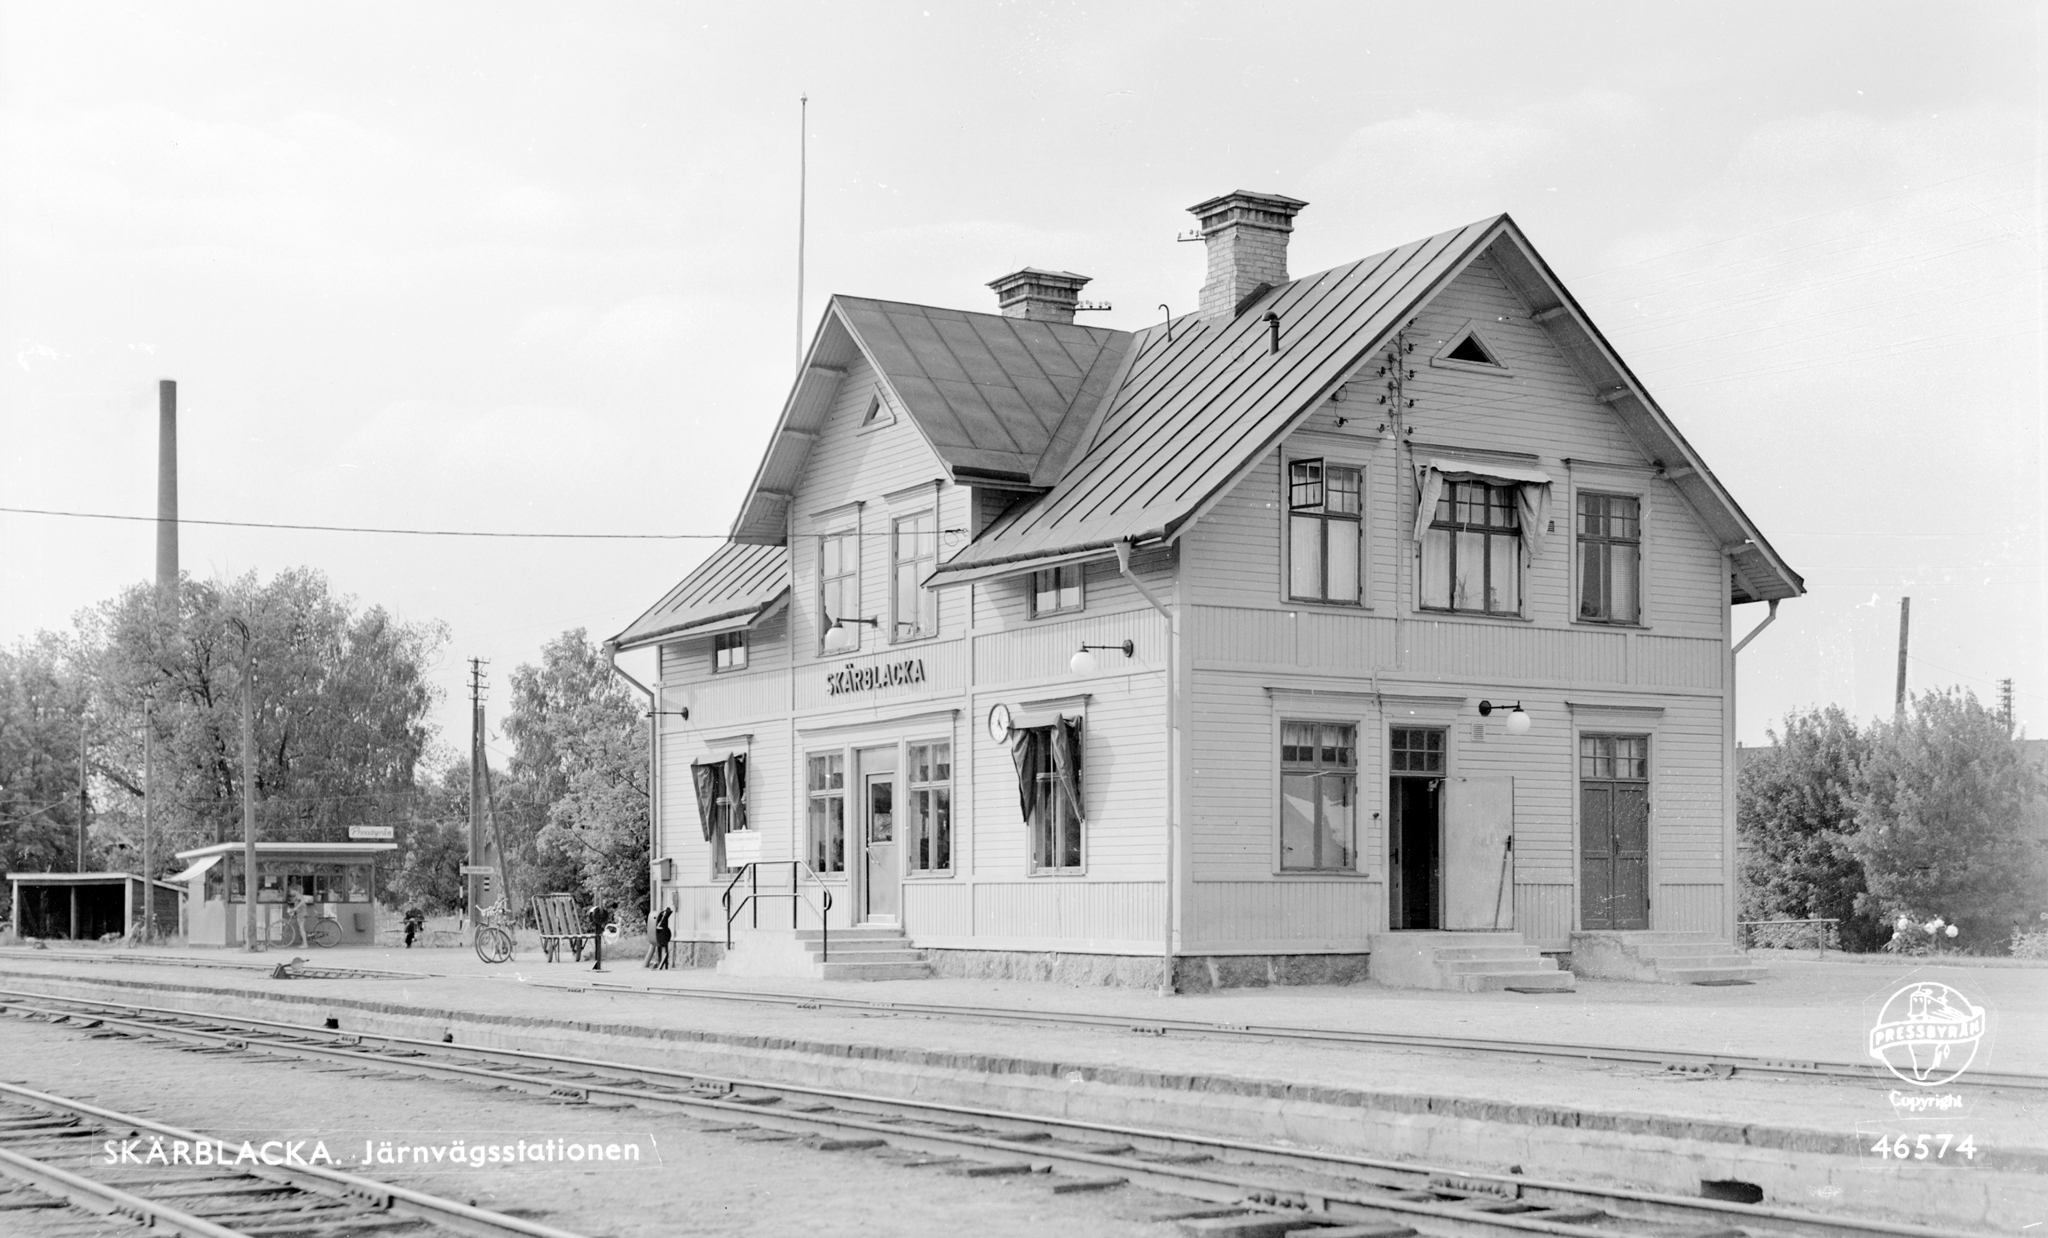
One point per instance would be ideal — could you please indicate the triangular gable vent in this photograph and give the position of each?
(1468, 347)
(878, 412)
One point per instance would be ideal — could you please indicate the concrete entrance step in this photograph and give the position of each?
(868, 952)
(1661, 957)
(1464, 962)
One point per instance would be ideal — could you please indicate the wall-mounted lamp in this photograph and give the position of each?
(1083, 663)
(683, 713)
(837, 638)
(1518, 720)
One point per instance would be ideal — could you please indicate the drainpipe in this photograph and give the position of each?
(611, 661)
(1734, 877)
(1173, 842)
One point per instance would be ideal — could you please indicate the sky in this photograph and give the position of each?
(522, 267)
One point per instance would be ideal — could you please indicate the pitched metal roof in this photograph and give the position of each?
(736, 587)
(1195, 408)
(1202, 400)
(1000, 400)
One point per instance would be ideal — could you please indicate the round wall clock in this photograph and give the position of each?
(999, 723)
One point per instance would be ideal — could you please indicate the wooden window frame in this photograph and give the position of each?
(1584, 545)
(915, 789)
(877, 414)
(928, 597)
(1080, 590)
(814, 796)
(1453, 527)
(1318, 769)
(721, 643)
(1293, 509)
(1443, 359)
(850, 570)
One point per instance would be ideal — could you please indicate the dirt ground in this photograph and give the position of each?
(703, 1182)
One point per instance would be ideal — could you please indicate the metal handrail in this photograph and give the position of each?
(751, 871)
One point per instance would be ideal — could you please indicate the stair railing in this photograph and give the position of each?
(796, 895)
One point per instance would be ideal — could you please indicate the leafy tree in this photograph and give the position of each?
(1796, 815)
(341, 707)
(1940, 811)
(426, 871)
(43, 697)
(580, 745)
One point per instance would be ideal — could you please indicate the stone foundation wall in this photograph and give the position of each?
(1203, 973)
(1200, 973)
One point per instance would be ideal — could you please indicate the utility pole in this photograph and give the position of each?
(249, 878)
(84, 802)
(166, 484)
(148, 805)
(1899, 697)
(2005, 704)
(803, 174)
(474, 882)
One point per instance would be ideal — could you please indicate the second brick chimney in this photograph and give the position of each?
(1047, 296)
(1246, 236)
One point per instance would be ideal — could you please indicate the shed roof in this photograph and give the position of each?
(84, 879)
(351, 850)
(736, 587)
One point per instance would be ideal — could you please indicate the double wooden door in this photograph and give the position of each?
(1614, 832)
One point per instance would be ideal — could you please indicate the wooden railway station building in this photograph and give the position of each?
(1275, 642)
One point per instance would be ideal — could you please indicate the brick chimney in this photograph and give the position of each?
(1046, 296)
(1246, 236)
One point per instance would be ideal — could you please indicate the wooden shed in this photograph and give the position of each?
(88, 906)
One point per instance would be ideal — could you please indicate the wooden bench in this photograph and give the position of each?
(560, 920)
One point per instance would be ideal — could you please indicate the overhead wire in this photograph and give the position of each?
(340, 528)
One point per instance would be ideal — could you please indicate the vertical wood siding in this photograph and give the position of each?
(1086, 914)
(1545, 913)
(1690, 909)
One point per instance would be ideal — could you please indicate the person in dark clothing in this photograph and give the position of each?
(600, 916)
(415, 924)
(661, 939)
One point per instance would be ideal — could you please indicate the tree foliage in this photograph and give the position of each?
(1796, 814)
(580, 749)
(42, 700)
(1940, 809)
(1923, 817)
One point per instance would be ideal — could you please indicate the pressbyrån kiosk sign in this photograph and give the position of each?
(869, 678)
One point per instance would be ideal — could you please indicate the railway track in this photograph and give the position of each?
(1677, 1061)
(1281, 1188)
(52, 1162)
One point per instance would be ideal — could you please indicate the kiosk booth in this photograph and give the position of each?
(338, 879)
(87, 906)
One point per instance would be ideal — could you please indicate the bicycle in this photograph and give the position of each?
(494, 933)
(324, 932)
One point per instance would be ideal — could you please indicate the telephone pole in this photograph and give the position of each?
(2005, 704)
(250, 881)
(475, 883)
(84, 801)
(148, 805)
(1905, 623)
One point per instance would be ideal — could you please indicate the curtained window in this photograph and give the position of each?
(828, 812)
(721, 788)
(1610, 534)
(1048, 761)
(1473, 523)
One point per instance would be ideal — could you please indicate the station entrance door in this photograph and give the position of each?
(881, 865)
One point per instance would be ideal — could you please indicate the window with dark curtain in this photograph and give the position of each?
(1048, 761)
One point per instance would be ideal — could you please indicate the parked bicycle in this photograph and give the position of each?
(323, 932)
(494, 932)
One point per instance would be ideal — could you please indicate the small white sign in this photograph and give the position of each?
(478, 870)
(372, 833)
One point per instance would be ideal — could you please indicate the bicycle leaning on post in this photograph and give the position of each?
(494, 932)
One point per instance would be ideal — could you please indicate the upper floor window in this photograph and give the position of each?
(839, 583)
(1324, 508)
(931, 808)
(1610, 558)
(1056, 589)
(729, 651)
(914, 552)
(1318, 795)
(1472, 550)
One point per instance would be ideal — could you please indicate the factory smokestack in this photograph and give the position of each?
(167, 484)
